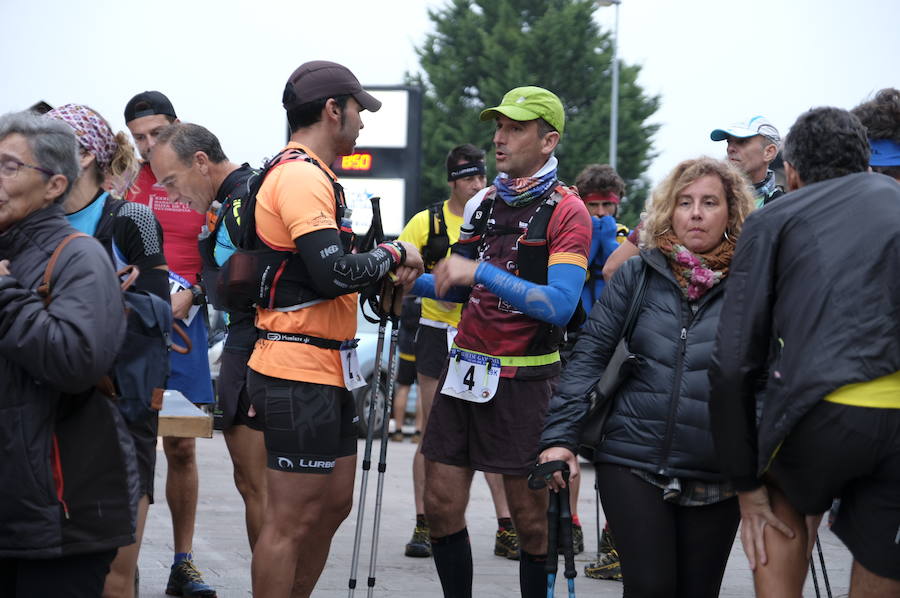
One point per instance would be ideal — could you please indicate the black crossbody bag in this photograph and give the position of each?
(617, 371)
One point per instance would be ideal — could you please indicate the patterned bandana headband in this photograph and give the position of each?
(92, 131)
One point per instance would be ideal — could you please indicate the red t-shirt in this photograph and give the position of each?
(181, 225)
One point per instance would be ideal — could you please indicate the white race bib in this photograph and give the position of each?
(471, 376)
(451, 336)
(177, 283)
(353, 378)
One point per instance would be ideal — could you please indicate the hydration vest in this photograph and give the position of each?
(438, 243)
(259, 275)
(533, 258)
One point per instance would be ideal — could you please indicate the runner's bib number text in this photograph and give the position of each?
(471, 376)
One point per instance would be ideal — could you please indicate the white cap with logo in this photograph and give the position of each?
(758, 125)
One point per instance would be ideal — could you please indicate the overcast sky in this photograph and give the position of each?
(224, 63)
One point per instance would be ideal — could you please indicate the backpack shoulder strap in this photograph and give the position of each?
(438, 241)
(482, 213)
(44, 289)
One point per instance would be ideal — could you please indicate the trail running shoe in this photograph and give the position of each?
(577, 539)
(506, 544)
(185, 580)
(607, 565)
(420, 544)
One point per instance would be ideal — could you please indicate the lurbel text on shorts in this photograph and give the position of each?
(315, 464)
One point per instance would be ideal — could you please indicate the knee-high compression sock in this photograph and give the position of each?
(453, 561)
(533, 575)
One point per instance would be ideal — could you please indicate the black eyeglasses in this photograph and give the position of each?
(9, 168)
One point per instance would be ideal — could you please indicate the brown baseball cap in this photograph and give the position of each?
(319, 79)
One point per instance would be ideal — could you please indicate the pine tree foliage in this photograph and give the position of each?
(480, 49)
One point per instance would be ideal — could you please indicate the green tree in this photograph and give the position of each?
(480, 49)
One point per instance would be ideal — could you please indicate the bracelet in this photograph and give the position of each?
(401, 249)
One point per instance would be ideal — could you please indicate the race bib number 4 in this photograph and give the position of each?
(471, 376)
(353, 378)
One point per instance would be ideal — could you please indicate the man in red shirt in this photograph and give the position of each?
(146, 114)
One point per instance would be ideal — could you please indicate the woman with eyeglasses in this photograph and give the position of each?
(67, 469)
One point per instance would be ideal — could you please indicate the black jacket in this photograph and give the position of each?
(76, 494)
(813, 303)
(660, 418)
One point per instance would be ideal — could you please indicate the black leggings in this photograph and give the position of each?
(666, 549)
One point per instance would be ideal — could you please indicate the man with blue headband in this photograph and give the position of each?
(881, 118)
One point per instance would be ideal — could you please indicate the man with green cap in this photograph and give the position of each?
(518, 267)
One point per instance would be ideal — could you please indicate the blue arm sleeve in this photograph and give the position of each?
(424, 287)
(554, 302)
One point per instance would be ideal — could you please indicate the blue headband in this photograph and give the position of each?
(885, 152)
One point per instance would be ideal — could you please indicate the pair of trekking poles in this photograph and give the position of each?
(387, 307)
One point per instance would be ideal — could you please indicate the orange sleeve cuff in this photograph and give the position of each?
(566, 257)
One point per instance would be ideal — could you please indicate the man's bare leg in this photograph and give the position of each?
(498, 494)
(865, 584)
(427, 388)
(120, 579)
(529, 513)
(248, 456)
(182, 486)
(787, 558)
(302, 513)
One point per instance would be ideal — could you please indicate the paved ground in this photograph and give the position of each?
(222, 553)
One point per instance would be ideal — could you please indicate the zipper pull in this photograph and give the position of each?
(684, 334)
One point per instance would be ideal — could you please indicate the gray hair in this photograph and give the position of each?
(52, 142)
(186, 139)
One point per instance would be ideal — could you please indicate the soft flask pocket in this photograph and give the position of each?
(248, 276)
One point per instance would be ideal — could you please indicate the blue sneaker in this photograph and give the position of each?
(185, 580)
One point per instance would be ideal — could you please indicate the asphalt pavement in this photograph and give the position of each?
(222, 553)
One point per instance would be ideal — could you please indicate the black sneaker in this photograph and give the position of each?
(420, 544)
(506, 544)
(185, 580)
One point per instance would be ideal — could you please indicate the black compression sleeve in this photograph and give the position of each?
(334, 273)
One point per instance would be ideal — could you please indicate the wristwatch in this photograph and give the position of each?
(198, 296)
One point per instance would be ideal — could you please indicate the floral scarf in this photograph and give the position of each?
(696, 273)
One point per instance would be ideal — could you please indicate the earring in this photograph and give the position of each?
(727, 238)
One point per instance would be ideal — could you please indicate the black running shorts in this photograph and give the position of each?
(500, 436)
(143, 433)
(431, 350)
(851, 453)
(406, 371)
(231, 389)
(307, 426)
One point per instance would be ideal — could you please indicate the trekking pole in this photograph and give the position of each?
(565, 535)
(597, 510)
(367, 454)
(395, 297)
(812, 569)
(559, 523)
(822, 561)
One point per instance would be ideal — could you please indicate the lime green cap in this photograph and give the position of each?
(529, 103)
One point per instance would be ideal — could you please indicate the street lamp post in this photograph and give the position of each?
(614, 105)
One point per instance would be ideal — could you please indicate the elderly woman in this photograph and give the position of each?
(131, 235)
(67, 476)
(672, 515)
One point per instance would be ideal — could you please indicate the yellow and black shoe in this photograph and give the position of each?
(506, 543)
(607, 565)
(420, 544)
